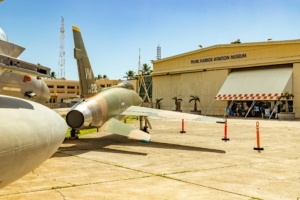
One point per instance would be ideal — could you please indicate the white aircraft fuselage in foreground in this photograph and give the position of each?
(30, 133)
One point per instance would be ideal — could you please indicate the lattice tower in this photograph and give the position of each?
(61, 62)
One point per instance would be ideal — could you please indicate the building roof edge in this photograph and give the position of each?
(227, 46)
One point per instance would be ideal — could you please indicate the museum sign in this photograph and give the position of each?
(219, 58)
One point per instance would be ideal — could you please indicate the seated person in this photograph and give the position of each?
(267, 112)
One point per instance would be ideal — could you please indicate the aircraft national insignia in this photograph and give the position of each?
(122, 104)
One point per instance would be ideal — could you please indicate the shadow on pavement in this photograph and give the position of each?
(102, 144)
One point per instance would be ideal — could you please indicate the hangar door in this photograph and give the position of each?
(256, 84)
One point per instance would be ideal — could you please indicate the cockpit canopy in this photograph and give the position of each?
(125, 84)
(3, 35)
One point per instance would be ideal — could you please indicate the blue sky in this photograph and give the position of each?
(114, 30)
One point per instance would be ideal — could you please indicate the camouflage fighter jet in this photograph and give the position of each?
(103, 109)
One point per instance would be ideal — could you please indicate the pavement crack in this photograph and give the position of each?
(47, 178)
(63, 196)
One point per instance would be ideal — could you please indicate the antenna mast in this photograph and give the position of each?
(138, 73)
(61, 62)
(139, 64)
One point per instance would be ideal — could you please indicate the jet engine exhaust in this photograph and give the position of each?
(75, 119)
(79, 117)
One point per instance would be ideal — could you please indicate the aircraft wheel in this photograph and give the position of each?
(74, 134)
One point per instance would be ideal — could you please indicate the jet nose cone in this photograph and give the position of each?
(75, 119)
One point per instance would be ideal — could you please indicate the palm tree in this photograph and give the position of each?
(146, 70)
(53, 75)
(195, 99)
(105, 76)
(157, 103)
(177, 103)
(286, 96)
(130, 75)
(98, 77)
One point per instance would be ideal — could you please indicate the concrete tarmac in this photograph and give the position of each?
(193, 165)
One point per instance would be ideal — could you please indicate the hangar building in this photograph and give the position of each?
(231, 75)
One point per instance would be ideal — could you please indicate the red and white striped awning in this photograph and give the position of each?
(257, 84)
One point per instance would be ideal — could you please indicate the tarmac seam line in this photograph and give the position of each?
(205, 186)
(37, 174)
(56, 188)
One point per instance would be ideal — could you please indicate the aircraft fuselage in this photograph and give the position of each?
(29, 134)
(95, 111)
(23, 86)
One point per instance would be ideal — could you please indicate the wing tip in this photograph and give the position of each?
(145, 140)
(76, 28)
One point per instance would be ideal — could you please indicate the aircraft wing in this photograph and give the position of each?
(115, 126)
(19, 66)
(151, 112)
